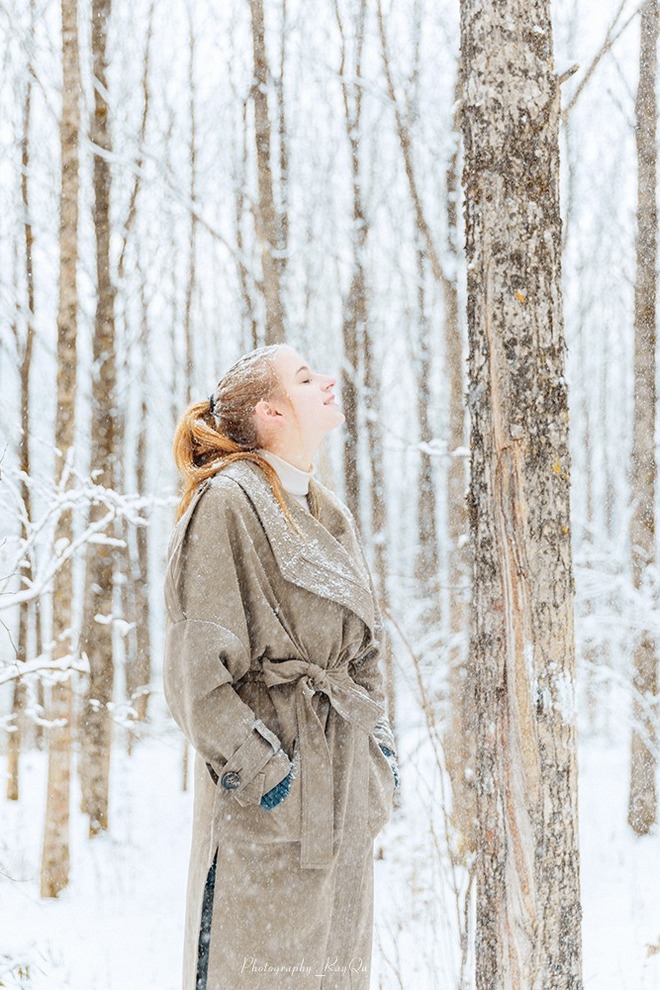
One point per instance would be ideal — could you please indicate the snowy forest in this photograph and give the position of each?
(452, 208)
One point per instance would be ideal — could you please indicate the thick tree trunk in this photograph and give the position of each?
(528, 901)
(96, 640)
(55, 853)
(642, 798)
(268, 225)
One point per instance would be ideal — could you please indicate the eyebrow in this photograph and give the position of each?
(304, 368)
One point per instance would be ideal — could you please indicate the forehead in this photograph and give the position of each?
(288, 361)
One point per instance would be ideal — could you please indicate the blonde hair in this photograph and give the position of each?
(212, 434)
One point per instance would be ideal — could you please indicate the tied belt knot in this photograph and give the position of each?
(354, 705)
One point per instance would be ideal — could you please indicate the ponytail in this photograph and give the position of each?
(201, 450)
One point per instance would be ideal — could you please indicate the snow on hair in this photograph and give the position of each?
(252, 378)
(222, 428)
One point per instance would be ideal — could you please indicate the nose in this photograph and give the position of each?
(329, 383)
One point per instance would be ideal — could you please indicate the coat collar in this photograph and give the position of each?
(327, 560)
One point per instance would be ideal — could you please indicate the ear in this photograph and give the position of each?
(267, 413)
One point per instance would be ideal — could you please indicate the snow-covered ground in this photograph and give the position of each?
(118, 926)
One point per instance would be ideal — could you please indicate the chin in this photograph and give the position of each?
(332, 423)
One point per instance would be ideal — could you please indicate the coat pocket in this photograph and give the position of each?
(256, 824)
(381, 788)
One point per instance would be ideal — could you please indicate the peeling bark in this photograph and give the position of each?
(528, 905)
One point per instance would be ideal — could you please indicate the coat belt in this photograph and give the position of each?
(354, 705)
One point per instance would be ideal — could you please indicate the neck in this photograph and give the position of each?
(301, 457)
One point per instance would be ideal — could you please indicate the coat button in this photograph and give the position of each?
(230, 780)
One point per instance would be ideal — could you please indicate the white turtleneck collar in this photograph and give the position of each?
(293, 480)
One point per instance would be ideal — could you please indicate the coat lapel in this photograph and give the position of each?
(327, 559)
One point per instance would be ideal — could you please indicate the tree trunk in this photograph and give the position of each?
(137, 662)
(268, 225)
(192, 231)
(15, 738)
(55, 852)
(642, 796)
(355, 307)
(528, 913)
(97, 634)
(283, 142)
(427, 560)
(378, 511)
(140, 689)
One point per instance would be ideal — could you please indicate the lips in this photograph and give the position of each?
(328, 401)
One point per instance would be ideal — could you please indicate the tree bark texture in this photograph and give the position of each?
(96, 640)
(268, 225)
(528, 914)
(55, 851)
(642, 799)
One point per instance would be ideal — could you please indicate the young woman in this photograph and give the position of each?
(272, 672)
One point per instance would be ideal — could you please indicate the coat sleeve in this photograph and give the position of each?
(207, 648)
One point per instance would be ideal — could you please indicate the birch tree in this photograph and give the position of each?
(528, 913)
(642, 795)
(55, 852)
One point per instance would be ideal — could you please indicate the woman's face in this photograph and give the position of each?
(311, 393)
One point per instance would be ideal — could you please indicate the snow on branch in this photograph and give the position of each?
(60, 668)
(37, 550)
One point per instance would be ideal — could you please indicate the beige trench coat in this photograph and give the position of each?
(271, 664)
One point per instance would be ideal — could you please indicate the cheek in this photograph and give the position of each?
(307, 402)
(302, 404)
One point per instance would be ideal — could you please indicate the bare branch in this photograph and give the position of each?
(611, 37)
